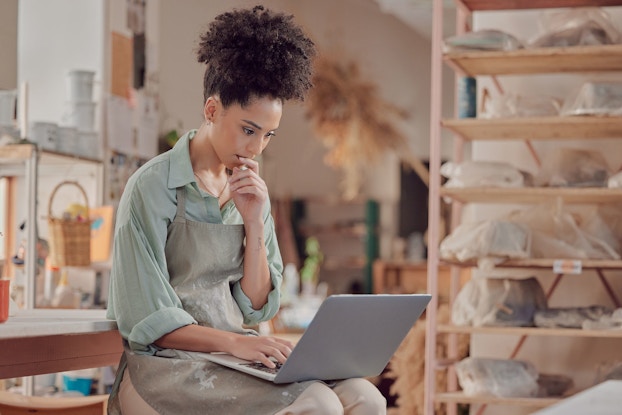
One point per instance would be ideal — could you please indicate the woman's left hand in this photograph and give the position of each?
(248, 190)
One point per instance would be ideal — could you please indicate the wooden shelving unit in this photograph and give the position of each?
(581, 59)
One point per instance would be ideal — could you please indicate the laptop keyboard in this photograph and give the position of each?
(264, 368)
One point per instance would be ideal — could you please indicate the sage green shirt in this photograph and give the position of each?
(141, 299)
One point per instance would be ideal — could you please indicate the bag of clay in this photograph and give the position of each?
(487, 39)
(490, 242)
(497, 377)
(502, 302)
(575, 27)
(473, 173)
(594, 98)
(573, 167)
(578, 232)
(511, 105)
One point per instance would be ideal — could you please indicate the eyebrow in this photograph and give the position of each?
(256, 125)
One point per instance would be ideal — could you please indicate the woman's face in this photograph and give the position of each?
(243, 131)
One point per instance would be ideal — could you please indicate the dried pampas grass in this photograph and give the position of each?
(407, 367)
(354, 122)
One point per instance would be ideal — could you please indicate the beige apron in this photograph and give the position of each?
(204, 261)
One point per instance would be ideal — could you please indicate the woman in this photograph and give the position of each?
(195, 257)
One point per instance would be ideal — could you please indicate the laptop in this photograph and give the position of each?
(351, 335)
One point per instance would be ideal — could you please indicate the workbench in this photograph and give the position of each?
(39, 341)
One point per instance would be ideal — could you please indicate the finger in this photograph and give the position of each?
(249, 164)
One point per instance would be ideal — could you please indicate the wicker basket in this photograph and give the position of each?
(70, 240)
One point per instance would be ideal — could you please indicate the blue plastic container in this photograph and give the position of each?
(77, 384)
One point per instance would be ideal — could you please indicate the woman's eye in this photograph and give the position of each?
(270, 135)
(248, 131)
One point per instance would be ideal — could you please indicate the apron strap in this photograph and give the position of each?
(180, 215)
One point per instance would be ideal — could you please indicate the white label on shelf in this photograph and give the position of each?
(567, 266)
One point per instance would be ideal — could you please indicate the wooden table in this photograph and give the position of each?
(41, 341)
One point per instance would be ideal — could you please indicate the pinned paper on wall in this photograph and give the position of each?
(147, 140)
(119, 122)
(121, 71)
(101, 232)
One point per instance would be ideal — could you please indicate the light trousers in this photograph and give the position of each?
(348, 397)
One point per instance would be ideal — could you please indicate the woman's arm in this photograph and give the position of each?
(207, 339)
(250, 195)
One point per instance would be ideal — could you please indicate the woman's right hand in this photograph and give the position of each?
(261, 349)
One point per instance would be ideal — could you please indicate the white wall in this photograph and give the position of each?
(54, 37)
(577, 358)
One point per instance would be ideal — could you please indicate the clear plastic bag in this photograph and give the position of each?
(569, 317)
(497, 377)
(615, 181)
(511, 105)
(481, 173)
(594, 98)
(504, 302)
(487, 39)
(561, 232)
(576, 27)
(495, 240)
(572, 167)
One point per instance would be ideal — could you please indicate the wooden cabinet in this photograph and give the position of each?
(581, 59)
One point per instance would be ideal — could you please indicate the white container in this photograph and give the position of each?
(80, 85)
(7, 107)
(68, 140)
(88, 144)
(45, 134)
(81, 114)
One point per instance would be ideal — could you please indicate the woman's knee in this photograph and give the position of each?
(317, 399)
(360, 397)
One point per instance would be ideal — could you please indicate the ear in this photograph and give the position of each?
(209, 109)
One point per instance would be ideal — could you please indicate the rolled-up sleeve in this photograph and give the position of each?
(145, 305)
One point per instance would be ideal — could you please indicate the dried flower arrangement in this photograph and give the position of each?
(355, 123)
(407, 367)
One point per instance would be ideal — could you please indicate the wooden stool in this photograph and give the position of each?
(15, 404)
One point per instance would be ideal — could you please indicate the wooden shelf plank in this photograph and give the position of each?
(482, 5)
(530, 331)
(547, 263)
(575, 59)
(536, 128)
(459, 397)
(532, 195)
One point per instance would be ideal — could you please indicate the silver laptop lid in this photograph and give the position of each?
(353, 335)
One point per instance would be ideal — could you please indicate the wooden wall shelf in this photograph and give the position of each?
(458, 397)
(530, 331)
(536, 128)
(575, 59)
(531, 195)
(547, 263)
(483, 5)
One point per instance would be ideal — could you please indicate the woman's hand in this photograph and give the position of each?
(261, 349)
(248, 190)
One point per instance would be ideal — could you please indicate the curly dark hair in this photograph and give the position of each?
(254, 53)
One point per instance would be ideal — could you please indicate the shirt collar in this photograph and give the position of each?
(180, 168)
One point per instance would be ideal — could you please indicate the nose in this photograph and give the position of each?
(255, 146)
